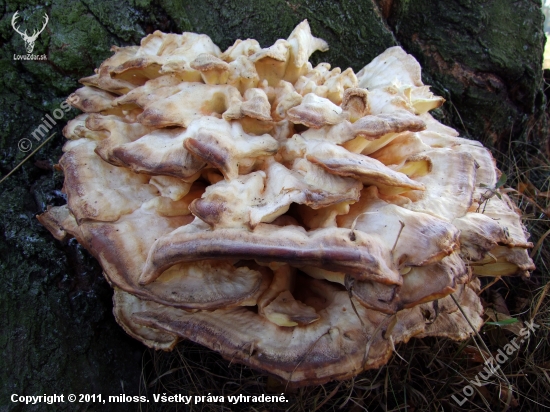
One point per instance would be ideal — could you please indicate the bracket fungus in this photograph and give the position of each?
(300, 220)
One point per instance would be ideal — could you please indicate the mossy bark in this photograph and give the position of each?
(58, 334)
(484, 57)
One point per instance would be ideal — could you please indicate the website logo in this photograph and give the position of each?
(29, 40)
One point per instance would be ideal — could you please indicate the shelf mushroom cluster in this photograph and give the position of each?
(301, 220)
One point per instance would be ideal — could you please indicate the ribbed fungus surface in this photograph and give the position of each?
(301, 220)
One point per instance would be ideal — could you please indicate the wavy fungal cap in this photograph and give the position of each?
(301, 220)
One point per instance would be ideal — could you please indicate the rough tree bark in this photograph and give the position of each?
(484, 57)
(58, 334)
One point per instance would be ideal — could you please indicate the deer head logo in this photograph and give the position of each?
(29, 40)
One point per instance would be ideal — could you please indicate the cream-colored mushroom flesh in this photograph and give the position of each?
(300, 220)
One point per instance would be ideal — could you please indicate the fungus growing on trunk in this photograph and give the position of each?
(298, 220)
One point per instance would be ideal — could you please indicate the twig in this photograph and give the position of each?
(27, 158)
(330, 395)
(539, 244)
(541, 298)
(398, 236)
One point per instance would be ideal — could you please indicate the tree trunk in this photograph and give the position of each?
(485, 58)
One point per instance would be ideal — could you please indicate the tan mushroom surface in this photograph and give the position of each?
(300, 220)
